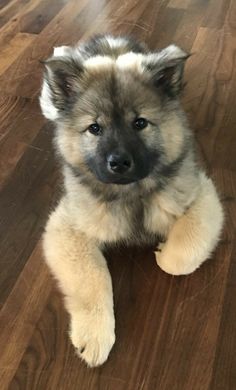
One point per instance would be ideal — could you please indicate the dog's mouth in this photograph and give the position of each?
(120, 179)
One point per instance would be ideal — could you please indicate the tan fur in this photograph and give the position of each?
(95, 63)
(79, 227)
(177, 137)
(94, 218)
(84, 279)
(185, 210)
(194, 235)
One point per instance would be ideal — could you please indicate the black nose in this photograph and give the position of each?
(119, 162)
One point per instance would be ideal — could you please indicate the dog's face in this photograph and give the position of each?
(114, 104)
(115, 124)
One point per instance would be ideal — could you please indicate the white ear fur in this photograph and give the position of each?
(61, 51)
(173, 52)
(46, 103)
(50, 111)
(168, 54)
(166, 68)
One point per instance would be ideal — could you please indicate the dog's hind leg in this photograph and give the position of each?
(82, 273)
(194, 235)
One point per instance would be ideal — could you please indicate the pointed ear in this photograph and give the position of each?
(61, 85)
(166, 69)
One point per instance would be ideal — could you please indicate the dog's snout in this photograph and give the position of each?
(119, 162)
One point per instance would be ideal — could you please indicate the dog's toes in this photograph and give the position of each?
(159, 247)
(93, 336)
(175, 262)
(82, 350)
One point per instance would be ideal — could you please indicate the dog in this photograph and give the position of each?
(130, 175)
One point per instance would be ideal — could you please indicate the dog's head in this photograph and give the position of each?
(115, 105)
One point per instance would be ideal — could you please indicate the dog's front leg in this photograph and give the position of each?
(82, 273)
(194, 235)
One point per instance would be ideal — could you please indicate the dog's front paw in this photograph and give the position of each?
(93, 334)
(174, 261)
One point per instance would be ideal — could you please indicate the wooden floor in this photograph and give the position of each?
(173, 333)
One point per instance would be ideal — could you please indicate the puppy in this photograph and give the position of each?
(130, 175)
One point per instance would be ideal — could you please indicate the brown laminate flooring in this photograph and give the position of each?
(173, 333)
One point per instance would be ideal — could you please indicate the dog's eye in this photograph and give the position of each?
(95, 129)
(140, 123)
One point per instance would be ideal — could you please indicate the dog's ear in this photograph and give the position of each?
(61, 85)
(166, 69)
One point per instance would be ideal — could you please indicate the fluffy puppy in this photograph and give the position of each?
(130, 175)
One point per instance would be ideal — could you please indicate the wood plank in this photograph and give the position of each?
(224, 373)
(27, 65)
(12, 17)
(10, 10)
(10, 107)
(20, 122)
(169, 17)
(216, 14)
(24, 205)
(3, 3)
(27, 16)
(11, 51)
(36, 20)
(121, 19)
(208, 91)
(21, 312)
(182, 4)
(188, 28)
(173, 333)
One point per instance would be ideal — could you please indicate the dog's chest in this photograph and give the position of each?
(140, 221)
(134, 221)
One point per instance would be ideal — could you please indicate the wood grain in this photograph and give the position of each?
(13, 49)
(173, 333)
(20, 123)
(183, 4)
(21, 312)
